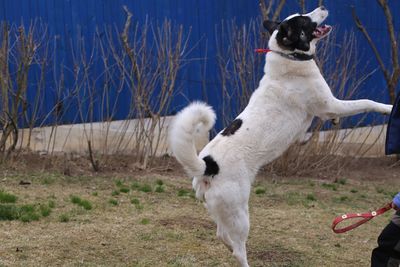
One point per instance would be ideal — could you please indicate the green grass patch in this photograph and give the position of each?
(86, 204)
(311, 197)
(380, 190)
(139, 207)
(64, 218)
(113, 202)
(183, 193)
(160, 182)
(115, 193)
(341, 181)
(159, 189)
(124, 189)
(48, 180)
(260, 190)
(391, 194)
(7, 197)
(8, 212)
(28, 213)
(51, 204)
(332, 187)
(145, 221)
(146, 188)
(137, 204)
(135, 201)
(135, 185)
(95, 194)
(294, 198)
(119, 183)
(45, 210)
(75, 199)
(24, 213)
(341, 199)
(353, 191)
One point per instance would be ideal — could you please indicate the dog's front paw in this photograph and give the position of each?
(335, 121)
(386, 109)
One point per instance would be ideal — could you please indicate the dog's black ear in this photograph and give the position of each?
(270, 25)
(285, 31)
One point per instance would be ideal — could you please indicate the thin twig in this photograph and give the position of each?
(95, 163)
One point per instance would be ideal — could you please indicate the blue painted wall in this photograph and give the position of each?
(69, 19)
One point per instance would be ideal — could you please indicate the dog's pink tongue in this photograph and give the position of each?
(322, 30)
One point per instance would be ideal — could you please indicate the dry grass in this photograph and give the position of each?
(290, 220)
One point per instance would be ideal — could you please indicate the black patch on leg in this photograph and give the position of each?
(232, 128)
(212, 167)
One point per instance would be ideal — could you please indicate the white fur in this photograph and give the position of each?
(187, 133)
(290, 94)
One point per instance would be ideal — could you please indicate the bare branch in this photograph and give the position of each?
(391, 30)
(95, 163)
(125, 41)
(14, 128)
(391, 74)
(394, 79)
(361, 27)
(265, 11)
(278, 10)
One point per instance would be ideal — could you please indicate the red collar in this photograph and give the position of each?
(262, 50)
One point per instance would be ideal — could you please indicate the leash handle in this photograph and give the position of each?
(365, 217)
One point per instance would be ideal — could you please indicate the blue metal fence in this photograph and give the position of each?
(69, 20)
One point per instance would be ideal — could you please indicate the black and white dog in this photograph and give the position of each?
(291, 93)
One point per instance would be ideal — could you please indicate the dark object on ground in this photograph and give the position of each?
(388, 251)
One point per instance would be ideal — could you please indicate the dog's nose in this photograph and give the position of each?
(322, 8)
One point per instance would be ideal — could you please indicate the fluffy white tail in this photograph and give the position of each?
(189, 133)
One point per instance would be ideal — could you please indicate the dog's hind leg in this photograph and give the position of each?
(238, 231)
(233, 229)
(227, 203)
(224, 237)
(233, 232)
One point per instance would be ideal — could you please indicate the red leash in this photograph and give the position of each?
(365, 217)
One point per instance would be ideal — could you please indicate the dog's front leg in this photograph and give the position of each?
(334, 108)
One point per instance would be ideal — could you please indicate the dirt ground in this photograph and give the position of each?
(150, 218)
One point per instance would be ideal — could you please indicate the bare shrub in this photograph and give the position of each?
(148, 59)
(19, 54)
(137, 65)
(143, 59)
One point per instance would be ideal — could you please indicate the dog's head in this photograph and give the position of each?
(298, 33)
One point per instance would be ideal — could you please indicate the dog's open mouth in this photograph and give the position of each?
(322, 31)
